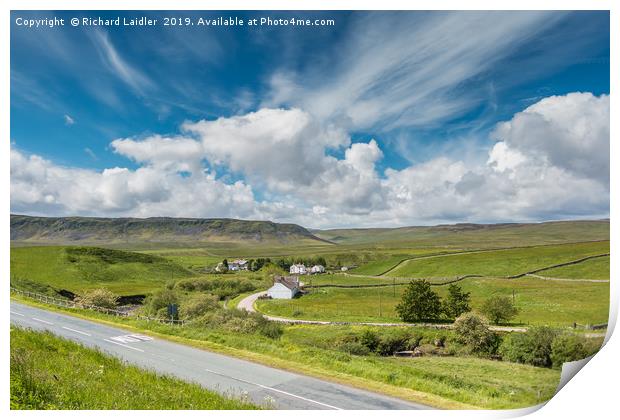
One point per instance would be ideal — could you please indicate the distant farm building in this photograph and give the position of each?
(284, 287)
(317, 269)
(238, 265)
(298, 269)
(344, 268)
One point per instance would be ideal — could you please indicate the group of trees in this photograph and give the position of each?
(420, 302)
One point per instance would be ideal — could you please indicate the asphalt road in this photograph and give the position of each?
(225, 374)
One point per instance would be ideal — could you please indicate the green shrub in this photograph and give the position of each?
(472, 330)
(457, 301)
(370, 340)
(532, 347)
(198, 305)
(392, 342)
(567, 348)
(102, 298)
(160, 300)
(499, 309)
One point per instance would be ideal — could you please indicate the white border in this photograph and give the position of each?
(592, 394)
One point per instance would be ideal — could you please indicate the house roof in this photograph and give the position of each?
(290, 282)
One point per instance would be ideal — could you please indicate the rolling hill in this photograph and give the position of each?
(90, 230)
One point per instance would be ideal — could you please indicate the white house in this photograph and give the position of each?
(344, 268)
(317, 269)
(298, 269)
(238, 265)
(284, 287)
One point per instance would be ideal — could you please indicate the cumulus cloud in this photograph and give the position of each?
(549, 161)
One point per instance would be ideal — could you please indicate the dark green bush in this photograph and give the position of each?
(567, 348)
(532, 347)
(198, 305)
(354, 347)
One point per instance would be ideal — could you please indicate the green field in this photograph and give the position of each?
(499, 262)
(594, 269)
(82, 268)
(540, 302)
(48, 372)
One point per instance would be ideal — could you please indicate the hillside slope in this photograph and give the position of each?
(475, 235)
(91, 230)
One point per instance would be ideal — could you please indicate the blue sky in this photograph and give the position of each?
(344, 125)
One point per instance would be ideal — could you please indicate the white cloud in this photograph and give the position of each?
(113, 60)
(549, 161)
(68, 119)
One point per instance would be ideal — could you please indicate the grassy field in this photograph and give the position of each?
(81, 268)
(540, 302)
(497, 263)
(595, 269)
(48, 372)
(450, 382)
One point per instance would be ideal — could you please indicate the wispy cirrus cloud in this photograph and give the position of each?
(118, 65)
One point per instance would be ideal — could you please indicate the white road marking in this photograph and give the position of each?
(124, 345)
(131, 338)
(45, 322)
(17, 313)
(274, 390)
(76, 331)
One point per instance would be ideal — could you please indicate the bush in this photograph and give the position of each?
(567, 348)
(532, 347)
(472, 330)
(198, 305)
(457, 302)
(241, 322)
(223, 288)
(499, 309)
(159, 301)
(102, 298)
(392, 342)
(419, 303)
(370, 340)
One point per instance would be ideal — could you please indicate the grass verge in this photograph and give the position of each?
(48, 372)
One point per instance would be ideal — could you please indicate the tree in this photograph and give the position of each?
(102, 298)
(457, 302)
(419, 303)
(499, 309)
(473, 331)
(567, 348)
(199, 305)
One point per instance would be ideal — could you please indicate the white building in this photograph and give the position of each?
(298, 269)
(344, 268)
(317, 269)
(284, 287)
(238, 265)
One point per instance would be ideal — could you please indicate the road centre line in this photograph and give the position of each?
(43, 321)
(124, 345)
(76, 331)
(273, 389)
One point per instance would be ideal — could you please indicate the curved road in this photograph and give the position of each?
(224, 374)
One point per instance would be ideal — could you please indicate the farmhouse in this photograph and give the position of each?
(238, 265)
(317, 269)
(298, 269)
(284, 287)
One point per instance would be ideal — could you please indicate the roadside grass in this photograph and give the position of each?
(498, 262)
(48, 372)
(82, 268)
(594, 269)
(541, 302)
(450, 382)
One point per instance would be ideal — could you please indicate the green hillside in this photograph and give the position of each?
(474, 235)
(124, 231)
(81, 268)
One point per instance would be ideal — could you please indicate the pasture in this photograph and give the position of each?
(541, 302)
